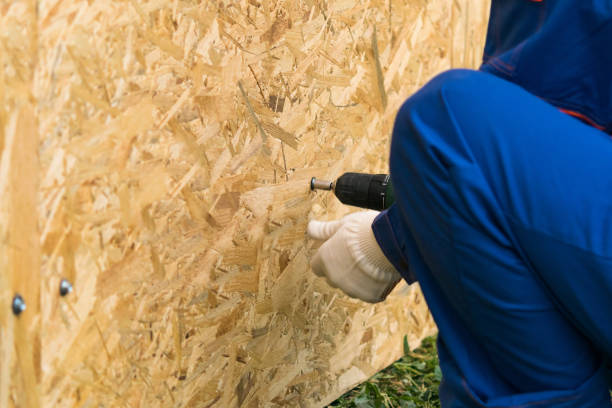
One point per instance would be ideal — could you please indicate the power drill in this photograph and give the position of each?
(373, 191)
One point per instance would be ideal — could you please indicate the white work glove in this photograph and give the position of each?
(351, 259)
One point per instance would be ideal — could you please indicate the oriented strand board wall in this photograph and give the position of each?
(176, 141)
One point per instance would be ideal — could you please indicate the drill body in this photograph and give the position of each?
(372, 191)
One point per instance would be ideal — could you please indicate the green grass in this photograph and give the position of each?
(410, 382)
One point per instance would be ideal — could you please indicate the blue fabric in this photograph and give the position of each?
(559, 50)
(503, 214)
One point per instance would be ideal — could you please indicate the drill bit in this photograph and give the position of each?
(316, 184)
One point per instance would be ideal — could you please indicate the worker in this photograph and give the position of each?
(503, 212)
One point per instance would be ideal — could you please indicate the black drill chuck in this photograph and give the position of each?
(373, 191)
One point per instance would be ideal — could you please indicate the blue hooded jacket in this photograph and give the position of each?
(559, 50)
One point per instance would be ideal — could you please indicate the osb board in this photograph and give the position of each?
(176, 144)
(19, 240)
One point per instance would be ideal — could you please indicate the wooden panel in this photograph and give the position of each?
(176, 143)
(20, 373)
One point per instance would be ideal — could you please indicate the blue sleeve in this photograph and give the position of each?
(389, 239)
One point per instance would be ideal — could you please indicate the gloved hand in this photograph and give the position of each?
(351, 259)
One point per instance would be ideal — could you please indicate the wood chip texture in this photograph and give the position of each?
(157, 154)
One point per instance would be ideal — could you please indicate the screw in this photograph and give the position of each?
(65, 287)
(18, 305)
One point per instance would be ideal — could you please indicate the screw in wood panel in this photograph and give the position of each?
(65, 287)
(19, 305)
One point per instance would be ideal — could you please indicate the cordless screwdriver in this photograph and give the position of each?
(373, 191)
